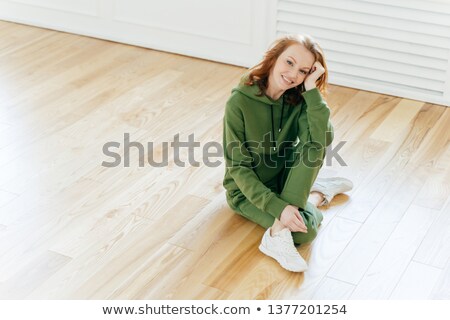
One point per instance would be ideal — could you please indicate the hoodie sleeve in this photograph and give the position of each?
(239, 163)
(315, 127)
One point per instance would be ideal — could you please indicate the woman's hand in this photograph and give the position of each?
(291, 218)
(316, 71)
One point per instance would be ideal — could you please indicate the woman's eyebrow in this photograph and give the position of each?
(296, 62)
(292, 58)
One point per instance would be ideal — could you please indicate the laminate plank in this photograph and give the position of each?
(360, 104)
(442, 289)
(104, 274)
(332, 289)
(259, 281)
(363, 249)
(397, 120)
(387, 269)
(390, 165)
(417, 282)
(435, 190)
(200, 264)
(338, 96)
(25, 36)
(6, 197)
(33, 275)
(37, 228)
(435, 248)
(436, 143)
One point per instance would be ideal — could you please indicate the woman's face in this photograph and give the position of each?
(291, 68)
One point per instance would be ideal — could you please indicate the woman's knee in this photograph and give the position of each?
(312, 218)
(250, 212)
(301, 238)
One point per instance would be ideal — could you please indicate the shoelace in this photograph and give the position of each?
(288, 247)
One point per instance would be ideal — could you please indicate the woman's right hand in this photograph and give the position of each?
(291, 218)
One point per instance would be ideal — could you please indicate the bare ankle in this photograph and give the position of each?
(316, 198)
(276, 227)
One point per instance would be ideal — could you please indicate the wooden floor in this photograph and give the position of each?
(71, 228)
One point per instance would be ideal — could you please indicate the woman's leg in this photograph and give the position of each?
(311, 216)
(297, 179)
(315, 198)
(303, 166)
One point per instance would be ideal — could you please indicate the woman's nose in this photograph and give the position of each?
(292, 76)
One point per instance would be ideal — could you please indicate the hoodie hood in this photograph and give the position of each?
(252, 91)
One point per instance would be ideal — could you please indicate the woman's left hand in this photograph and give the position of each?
(316, 71)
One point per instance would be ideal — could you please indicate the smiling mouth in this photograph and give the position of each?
(286, 80)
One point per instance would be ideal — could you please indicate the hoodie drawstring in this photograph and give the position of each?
(281, 122)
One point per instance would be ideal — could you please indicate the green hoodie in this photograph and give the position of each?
(253, 158)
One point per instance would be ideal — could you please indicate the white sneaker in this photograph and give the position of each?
(281, 247)
(330, 187)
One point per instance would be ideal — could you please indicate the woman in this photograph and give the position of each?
(276, 129)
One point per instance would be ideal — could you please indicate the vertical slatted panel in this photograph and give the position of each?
(397, 47)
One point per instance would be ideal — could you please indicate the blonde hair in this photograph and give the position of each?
(260, 72)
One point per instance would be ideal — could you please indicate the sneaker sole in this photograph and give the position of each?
(269, 253)
(346, 181)
(338, 179)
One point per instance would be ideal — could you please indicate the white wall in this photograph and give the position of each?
(231, 31)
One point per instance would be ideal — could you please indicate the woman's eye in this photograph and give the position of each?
(289, 62)
(304, 72)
